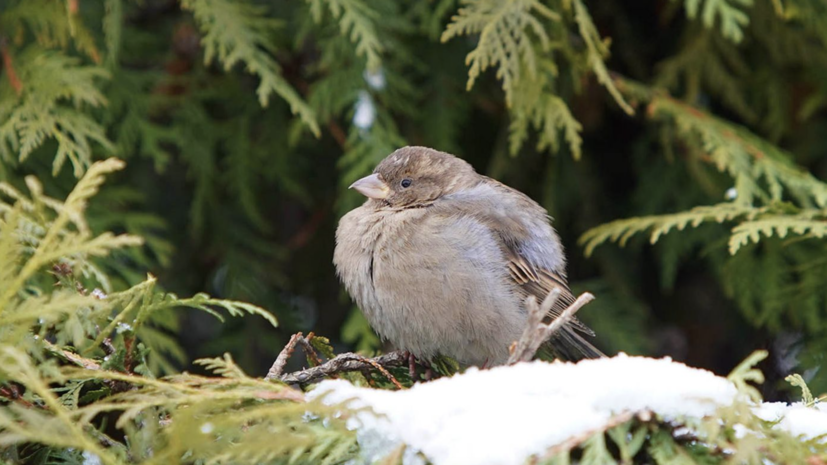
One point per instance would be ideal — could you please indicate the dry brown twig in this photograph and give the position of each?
(382, 370)
(537, 332)
(8, 66)
(312, 356)
(348, 362)
(277, 368)
(342, 363)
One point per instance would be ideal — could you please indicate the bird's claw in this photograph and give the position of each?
(412, 362)
(412, 366)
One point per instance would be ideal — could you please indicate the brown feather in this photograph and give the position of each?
(539, 283)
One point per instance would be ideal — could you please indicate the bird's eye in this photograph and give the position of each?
(406, 182)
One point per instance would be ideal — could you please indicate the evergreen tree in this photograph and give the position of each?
(228, 131)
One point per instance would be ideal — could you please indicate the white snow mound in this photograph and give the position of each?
(504, 415)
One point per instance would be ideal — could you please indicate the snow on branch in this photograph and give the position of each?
(505, 415)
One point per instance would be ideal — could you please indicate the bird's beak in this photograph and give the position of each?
(372, 187)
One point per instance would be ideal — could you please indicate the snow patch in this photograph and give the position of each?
(797, 419)
(503, 415)
(365, 113)
(375, 79)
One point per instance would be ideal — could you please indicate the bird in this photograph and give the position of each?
(440, 259)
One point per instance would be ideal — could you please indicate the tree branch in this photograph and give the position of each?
(8, 66)
(537, 332)
(348, 362)
(277, 368)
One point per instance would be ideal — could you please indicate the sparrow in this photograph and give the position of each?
(441, 259)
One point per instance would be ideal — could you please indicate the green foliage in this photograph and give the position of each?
(746, 372)
(521, 39)
(237, 32)
(596, 52)
(622, 230)
(734, 434)
(39, 111)
(797, 381)
(505, 40)
(51, 232)
(57, 393)
(732, 18)
(209, 102)
(547, 113)
(52, 24)
(772, 198)
(356, 20)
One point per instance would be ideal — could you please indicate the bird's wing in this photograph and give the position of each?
(539, 282)
(534, 254)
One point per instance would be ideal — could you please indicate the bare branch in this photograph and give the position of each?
(312, 356)
(382, 370)
(537, 332)
(8, 66)
(86, 363)
(340, 364)
(277, 368)
(348, 362)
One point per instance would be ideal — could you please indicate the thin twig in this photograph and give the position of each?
(11, 393)
(8, 66)
(88, 364)
(107, 346)
(83, 362)
(278, 366)
(105, 440)
(307, 230)
(537, 332)
(309, 350)
(128, 344)
(347, 362)
(382, 370)
(338, 133)
(340, 364)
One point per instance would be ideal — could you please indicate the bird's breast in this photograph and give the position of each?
(440, 286)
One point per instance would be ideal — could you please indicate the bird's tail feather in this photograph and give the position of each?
(569, 346)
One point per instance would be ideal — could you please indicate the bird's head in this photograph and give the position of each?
(416, 177)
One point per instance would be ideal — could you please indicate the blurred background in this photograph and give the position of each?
(242, 124)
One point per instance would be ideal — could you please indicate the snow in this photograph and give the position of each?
(375, 79)
(90, 458)
(365, 113)
(797, 419)
(504, 415)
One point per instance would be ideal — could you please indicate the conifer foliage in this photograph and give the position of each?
(206, 145)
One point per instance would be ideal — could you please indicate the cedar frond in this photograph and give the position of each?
(358, 21)
(732, 19)
(507, 32)
(621, 231)
(238, 32)
(52, 81)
